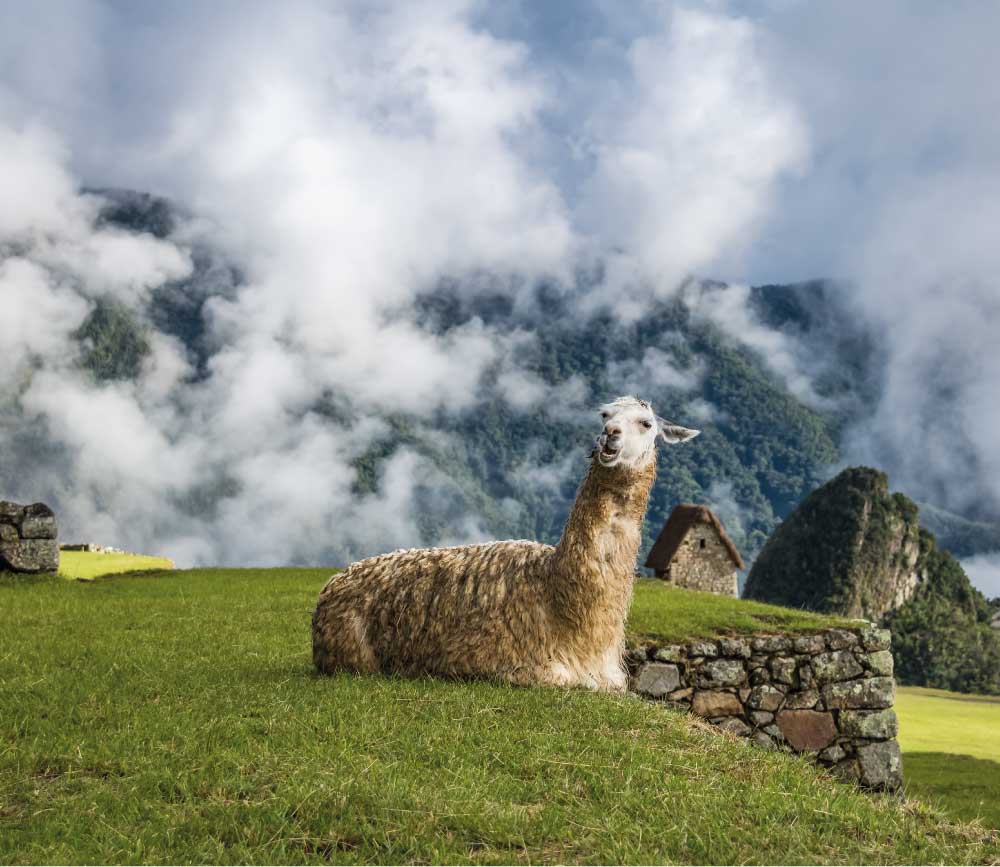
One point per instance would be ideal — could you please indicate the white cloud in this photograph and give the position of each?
(349, 156)
(690, 153)
(984, 572)
(654, 371)
(728, 307)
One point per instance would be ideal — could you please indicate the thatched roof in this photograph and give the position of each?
(681, 520)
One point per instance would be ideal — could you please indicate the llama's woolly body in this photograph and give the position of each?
(517, 611)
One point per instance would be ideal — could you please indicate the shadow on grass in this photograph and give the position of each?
(963, 786)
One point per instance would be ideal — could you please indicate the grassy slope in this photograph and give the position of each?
(176, 718)
(665, 613)
(951, 745)
(85, 564)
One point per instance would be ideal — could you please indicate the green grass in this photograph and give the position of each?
(86, 564)
(951, 751)
(664, 613)
(176, 718)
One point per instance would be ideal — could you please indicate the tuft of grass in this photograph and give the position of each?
(951, 751)
(177, 718)
(87, 564)
(666, 614)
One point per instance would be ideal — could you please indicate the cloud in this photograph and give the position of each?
(655, 370)
(348, 157)
(729, 309)
(691, 150)
(984, 572)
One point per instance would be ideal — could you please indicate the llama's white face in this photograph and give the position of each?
(630, 431)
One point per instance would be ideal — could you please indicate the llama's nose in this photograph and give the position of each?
(612, 431)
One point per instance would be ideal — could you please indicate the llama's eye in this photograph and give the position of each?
(605, 415)
(646, 423)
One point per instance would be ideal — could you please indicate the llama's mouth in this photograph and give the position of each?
(608, 454)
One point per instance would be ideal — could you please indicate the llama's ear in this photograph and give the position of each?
(674, 433)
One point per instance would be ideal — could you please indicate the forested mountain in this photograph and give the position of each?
(512, 465)
(516, 467)
(855, 549)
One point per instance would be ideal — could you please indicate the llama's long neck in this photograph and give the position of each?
(594, 563)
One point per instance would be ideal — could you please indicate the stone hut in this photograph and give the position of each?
(28, 538)
(693, 551)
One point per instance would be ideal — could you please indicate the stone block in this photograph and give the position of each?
(10, 512)
(832, 754)
(879, 662)
(682, 695)
(30, 555)
(734, 725)
(657, 679)
(765, 697)
(874, 638)
(739, 647)
(803, 700)
(771, 643)
(783, 669)
(761, 717)
(807, 677)
(807, 729)
(881, 765)
(840, 639)
(847, 770)
(867, 693)
(811, 644)
(838, 665)
(39, 522)
(759, 676)
(634, 657)
(8, 533)
(703, 648)
(874, 724)
(763, 740)
(712, 703)
(724, 672)
(670, 653)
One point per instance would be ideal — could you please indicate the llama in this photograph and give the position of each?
(517, 611)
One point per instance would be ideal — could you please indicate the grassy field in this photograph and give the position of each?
(951, 747)
(176, 718)
(664, 613)
(85, 564)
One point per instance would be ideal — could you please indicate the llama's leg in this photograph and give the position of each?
(340, 642)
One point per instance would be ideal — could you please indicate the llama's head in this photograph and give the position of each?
(630, 432)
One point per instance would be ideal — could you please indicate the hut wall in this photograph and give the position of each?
(709, 568)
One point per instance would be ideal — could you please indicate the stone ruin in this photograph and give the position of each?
(28, 538)
(693, 551)
(827, 694)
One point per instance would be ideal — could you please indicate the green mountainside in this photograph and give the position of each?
(853, 548)
(514, 471)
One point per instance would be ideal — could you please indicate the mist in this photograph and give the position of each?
(345, 159)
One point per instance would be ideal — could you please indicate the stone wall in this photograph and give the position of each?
(91, 548)
(827, 694)
(697, 568)
(28, 538)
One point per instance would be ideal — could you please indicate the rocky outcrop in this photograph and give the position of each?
(28, 538)
(827, 694)
(850, 548)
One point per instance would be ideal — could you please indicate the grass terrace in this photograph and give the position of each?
(664, 614)
(87, 564)
(951, 751)
(175, 717)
